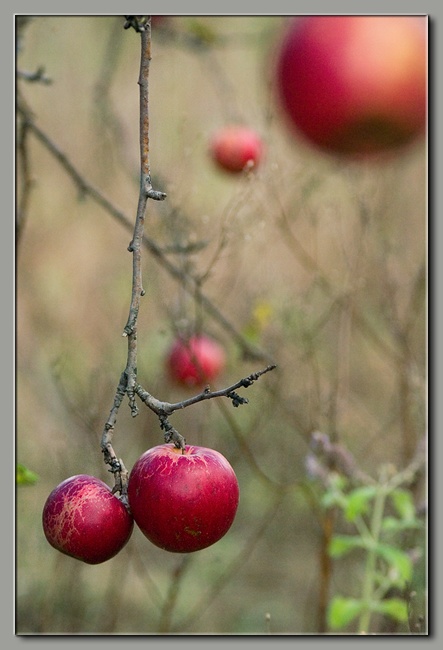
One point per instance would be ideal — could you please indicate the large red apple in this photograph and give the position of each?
(236, 147)
(83, 519)
(183, 501)
(195, 361)
(354, 85)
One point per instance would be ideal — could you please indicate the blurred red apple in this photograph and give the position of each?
(183, 502)
(354, 85)
(83, 519)
(236, 147)
(157, 20)
(196, 361)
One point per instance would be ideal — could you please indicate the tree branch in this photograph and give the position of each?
(128, 378)
(164, 409)
(128, 384)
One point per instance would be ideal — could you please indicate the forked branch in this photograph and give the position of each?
(164, 409)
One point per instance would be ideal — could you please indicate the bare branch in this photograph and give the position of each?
(129, 376)
(164, 409)
(128, 381)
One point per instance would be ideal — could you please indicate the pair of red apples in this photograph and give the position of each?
(182, 501)
(351, 86)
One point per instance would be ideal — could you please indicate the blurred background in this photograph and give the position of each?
(318, 264)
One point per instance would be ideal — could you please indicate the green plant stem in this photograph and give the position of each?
(371, 560)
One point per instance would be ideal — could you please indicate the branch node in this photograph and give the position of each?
(237, 400)
(138, 23)
(155, 195)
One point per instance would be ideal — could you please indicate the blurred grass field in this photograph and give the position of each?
(320, 264)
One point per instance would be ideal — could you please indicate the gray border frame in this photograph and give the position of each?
(227, 7)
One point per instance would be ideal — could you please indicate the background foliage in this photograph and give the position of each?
(320, 264)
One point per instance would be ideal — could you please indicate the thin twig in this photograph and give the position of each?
(165, 409)
(37, 76)
(128, 378)
(128, 381)
(26, 184)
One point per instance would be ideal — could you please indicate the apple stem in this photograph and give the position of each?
(171, 434)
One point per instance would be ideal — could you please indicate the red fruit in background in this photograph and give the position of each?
(196, 361)
(183, 502)
(83, 519)
(354, 85)
(234, 147)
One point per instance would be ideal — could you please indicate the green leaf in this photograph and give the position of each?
(331, 499)
(335, 496)
(393, 607)
(391, 524)
(342, 544)
(397, 559)
(404, 504)
(25, 476)
(359, 501)
(343, 611)
(202, 32)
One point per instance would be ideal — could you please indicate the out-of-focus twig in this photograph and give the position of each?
(188, 282)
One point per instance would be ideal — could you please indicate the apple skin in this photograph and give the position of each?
(83, 519)
(183, 502)
(196, 361)
(355, 86)
(236, 147)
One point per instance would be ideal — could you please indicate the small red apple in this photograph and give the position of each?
(83, 519)
(196, 361)
(236, 147)
(354, 85)
(183, 501)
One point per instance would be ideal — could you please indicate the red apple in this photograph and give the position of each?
(183, 502)
(236, 147)
(83, 519)
(354, 85)
(196, 361)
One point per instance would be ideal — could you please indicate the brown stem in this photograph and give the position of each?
(128, 378)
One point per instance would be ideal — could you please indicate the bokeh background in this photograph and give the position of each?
(319, 264)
